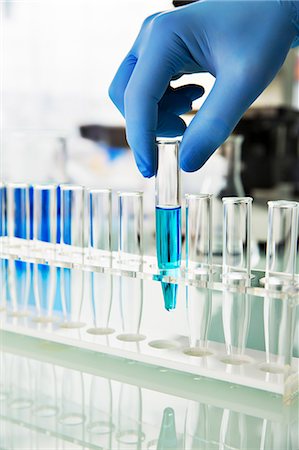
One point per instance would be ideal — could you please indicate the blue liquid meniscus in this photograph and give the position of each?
(168, 237)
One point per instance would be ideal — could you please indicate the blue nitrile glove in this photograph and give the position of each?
(242, 43)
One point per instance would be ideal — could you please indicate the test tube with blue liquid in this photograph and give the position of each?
(18, 228)
(3, 234)
(168, 216)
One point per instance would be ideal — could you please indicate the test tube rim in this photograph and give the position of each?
(99, 191)
(43, 187)
(71, 187)
(165, 141)
(237, 200)
(21, 185)
(283, 204)
(198, 196)
(130, 194)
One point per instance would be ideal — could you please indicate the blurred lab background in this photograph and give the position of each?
(58, 59)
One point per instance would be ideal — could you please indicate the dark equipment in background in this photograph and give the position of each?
(270, 151)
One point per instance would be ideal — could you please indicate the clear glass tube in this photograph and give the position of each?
(236, 272)
(130, 232)
(44, 235)
(283, 217)
(236, 239)
(73, 210)
(198, 264)
(130, 248)
(198, 233)
(100, 217)
(168, 205)
(18, 228)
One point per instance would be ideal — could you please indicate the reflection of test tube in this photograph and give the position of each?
(198, 264)
(168, 205)
(233, 431)
(44, 235)
(18, 224)
(100, 423)
(130, 251)
(129, 424)
(100, 214)
(279, 314)
(236, 273)
(72, 243)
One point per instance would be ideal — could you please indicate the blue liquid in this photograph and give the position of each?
(168, 237)
(168, 244)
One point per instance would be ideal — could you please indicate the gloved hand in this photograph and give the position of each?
(242, 43)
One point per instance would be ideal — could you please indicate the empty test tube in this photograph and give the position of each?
(100, 214)
(130, 251)
(168, 205)
(279, 314)
(283, 217)
(236, 272)
(44, 235)
(236, 239)
(198, 264)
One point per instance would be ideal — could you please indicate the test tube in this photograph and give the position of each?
(236, 239)
(100, 214)
(279, 314)
(198, 265)
(18, 227)
(72, 242)
(130, 242)
(168, 205)
(236, 273)
(283, 217)
(3, 234)
(44, 235)
(130, 250)
(129, 422)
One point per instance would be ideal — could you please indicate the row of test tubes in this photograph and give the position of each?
(70, 224)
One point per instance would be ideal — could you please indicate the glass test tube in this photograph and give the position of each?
(236, 239)
(18, 228)
(130, 250)
(198, 264)
(236, 272)
(279, 314)
(283, 217)
(44, 235)
(72, 242)
(168, 205)
(100, 216)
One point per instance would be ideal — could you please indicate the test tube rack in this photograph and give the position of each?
(157, 348)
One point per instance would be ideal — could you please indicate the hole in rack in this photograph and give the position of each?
(100, 331)
(236, 360)
(72, 419)
(130, 437)
(72, 325)
(197, 352)
(164, 344)
(275, 369)
(131, 337)
(100, 427)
